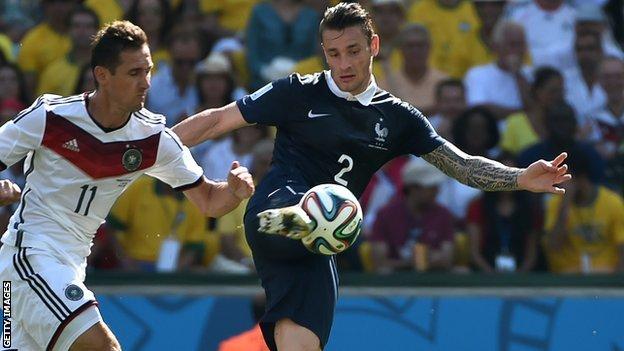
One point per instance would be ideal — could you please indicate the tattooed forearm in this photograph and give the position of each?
(475, 171)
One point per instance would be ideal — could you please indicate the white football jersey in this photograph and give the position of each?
(75, 169)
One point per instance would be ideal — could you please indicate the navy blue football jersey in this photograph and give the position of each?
(324, 138)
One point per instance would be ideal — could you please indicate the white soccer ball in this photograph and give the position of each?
(336, 217)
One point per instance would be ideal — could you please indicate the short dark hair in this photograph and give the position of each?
(542, 76)
(346, 15)
(451, 83)
(111, 40)
(460, 126)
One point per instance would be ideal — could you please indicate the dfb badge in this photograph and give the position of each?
(74, 292)
(131, 159)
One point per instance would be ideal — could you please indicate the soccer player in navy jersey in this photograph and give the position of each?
(338, 127)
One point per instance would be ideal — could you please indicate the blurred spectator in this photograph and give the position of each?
(17, 16)
(279, 33)
(477, 48)
(415, 81)
(450, 102)
(583, 89)
(140, 236)
(610, 121)
(585, 228)
(12, 85)
(527, 128)
(250, 340)
(230, 15)
(85, 80)
(6, 49)
(173, 92)
(237, 146)
(475, 132)
(83, 24)
(549, 27)
(215, 83)
(589, 19)
(155, 18)
(414, 221)
(108, 10)
(47, 41)
(388, 18)
(502, 85)
(503, 229)
(234, 245)
(450, 23)
(561, 129)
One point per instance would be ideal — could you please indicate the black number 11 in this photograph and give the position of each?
(82, 196)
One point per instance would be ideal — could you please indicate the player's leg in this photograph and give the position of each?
(97, 338)
(290, 336)
(52, 305)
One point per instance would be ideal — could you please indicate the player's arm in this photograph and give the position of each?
(482, 173)
(214, 199)
(209, 124)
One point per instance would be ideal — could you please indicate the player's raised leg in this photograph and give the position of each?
(97, 338)
(290, 336)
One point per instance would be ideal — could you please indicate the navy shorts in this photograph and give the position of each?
(299, 284)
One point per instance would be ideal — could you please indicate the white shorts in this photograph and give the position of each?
(50, 307)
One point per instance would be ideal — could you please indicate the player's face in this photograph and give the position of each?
(350, 57)
(128, 86)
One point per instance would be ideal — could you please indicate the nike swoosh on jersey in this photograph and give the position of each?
(314, 115)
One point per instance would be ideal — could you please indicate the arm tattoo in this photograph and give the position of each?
(475, 171)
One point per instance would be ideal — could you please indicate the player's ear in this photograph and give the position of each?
(101, 74)
(375, 44)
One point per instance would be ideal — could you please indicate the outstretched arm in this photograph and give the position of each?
(482, 173)
(209, 124)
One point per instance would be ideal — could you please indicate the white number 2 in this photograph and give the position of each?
(344, 170)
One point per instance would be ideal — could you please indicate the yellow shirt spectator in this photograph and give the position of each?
(106, 10)
(596, 231)
(519, 133)
(40, 47)
(232, 224)
(145, 215)
(472, 52)
(6, 46)
(449, 28)
(59, 78)
(233, 14)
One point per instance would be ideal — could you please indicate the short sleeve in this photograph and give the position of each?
(22, 134)
(420, 138)
(175, 164)
(271, 104)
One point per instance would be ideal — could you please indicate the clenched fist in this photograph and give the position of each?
(9, 192)
(240, 181)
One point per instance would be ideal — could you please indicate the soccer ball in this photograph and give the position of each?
(336, 218)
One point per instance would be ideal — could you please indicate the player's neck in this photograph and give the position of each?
(104, 111)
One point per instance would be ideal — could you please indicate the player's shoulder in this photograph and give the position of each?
(393, 105)
(50, 102)
(149, 118)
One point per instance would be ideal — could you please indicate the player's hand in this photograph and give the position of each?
(543, 176)
(9, 192)
(240, 181)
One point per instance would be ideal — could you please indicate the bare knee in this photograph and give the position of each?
(290, 336)
(96, 338)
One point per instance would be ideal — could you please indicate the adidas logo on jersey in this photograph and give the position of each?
(72, 145)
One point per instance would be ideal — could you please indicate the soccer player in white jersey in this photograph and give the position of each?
(81, 153)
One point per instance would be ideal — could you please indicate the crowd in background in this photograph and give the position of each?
(511, 80)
